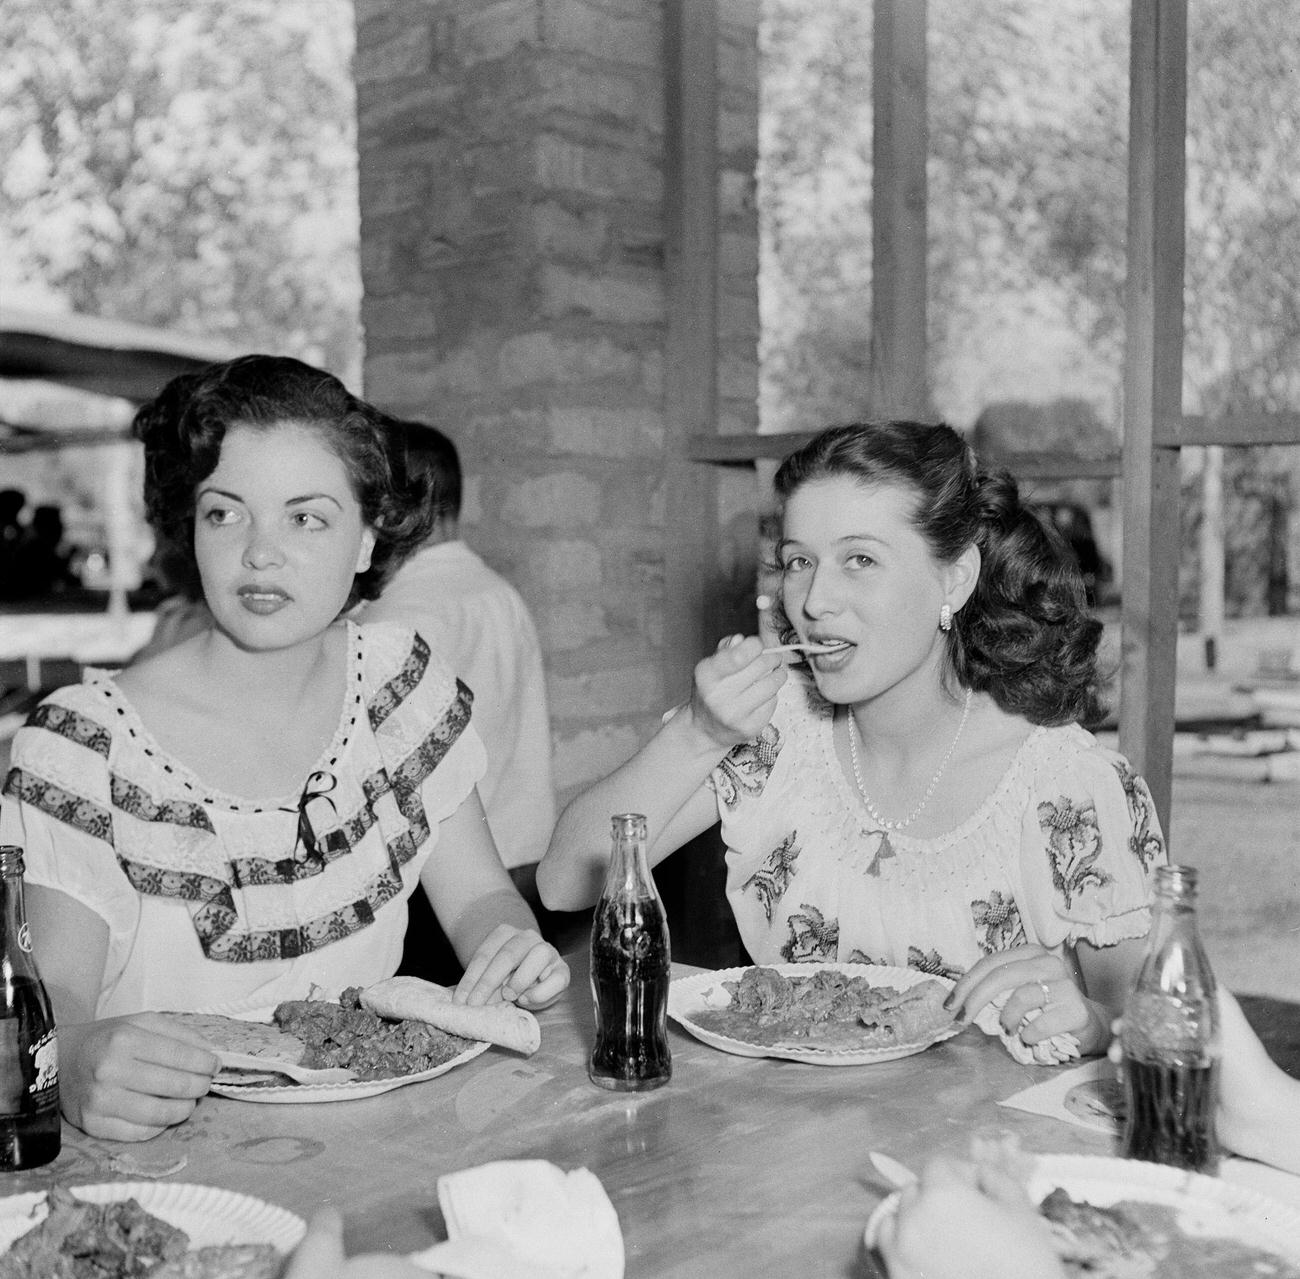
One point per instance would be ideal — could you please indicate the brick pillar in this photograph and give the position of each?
(513, 261)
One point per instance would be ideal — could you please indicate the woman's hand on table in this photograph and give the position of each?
(130, 1078)
(1029, 978)
(963, 1221)
(320, 1256)
(735, 690)
(516, 965)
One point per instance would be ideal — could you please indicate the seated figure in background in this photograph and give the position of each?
(480, 626)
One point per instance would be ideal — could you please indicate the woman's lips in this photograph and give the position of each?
(830, 655)
(262, 599)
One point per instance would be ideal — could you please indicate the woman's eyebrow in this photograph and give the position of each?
(291, 501)
(314, 497)
(216, 492)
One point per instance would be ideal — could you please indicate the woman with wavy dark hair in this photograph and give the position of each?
(918, 786)
(241, 819)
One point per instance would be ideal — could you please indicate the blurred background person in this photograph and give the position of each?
(480, 626)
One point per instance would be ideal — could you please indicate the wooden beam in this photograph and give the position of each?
(691, 347)
(1237, 428)
(1153, 369)
(899, 148)
(738, 450)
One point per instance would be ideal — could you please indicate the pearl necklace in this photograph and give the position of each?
(855, 733)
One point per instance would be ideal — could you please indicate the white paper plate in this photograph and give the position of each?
(1206, 1205)
(207, 1214)
(690, 995)
(295, 1094)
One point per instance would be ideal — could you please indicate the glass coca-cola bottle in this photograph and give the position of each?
(1170, 1037)
(630, 957)
(29, 1056)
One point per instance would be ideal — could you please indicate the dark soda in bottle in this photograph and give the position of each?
(1170, 1037)
(630, 958)
(30, 1129)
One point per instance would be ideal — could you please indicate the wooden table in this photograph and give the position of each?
(739, 1167)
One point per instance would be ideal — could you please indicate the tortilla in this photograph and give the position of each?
(233, 1034)
(505, 1024)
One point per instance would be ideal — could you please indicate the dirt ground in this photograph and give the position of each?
(1244, 837)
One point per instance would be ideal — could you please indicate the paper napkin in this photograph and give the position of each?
(526, 1219)
(1051, 1052)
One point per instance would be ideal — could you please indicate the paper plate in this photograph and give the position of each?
(1206, 1206)
(353, 1090)
(207, 1214)
(687, 996)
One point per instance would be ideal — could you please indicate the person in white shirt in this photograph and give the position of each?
(480, 627)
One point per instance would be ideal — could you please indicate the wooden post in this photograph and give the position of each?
(691, 354)
(1212, 554)
(900, 142)
(1153, 371)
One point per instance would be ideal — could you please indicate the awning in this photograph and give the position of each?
(131, 362)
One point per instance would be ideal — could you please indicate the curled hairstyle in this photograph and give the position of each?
(1025, 635)
(183, 427)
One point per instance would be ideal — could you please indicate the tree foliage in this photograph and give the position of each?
(185, 164)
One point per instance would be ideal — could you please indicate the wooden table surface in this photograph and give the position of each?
(739, 1167)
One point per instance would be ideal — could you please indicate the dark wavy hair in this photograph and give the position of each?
(1025, 635)
(183, 427)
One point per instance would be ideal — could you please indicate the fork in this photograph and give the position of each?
(272, 1066)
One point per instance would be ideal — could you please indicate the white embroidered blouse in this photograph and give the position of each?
(214, 903)
(1065, 848)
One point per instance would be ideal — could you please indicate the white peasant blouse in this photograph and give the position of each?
(1065, 848)
(214, 903)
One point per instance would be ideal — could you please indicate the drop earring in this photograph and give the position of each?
(945, 618)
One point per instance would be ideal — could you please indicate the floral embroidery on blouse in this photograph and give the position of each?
(812, 936)
(388, 698)
(997, 923)
(72, 810)
(931, 962)
(746, 768)
(1073, 846)
(770, 881)
(1144, 843)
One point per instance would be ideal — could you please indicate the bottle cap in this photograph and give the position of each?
(1176, 879)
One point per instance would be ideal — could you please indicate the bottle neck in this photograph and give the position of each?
(629, 866)
(15, 941)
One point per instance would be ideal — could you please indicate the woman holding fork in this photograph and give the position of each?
(919, 788)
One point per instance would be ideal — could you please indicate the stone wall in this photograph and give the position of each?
(513, 260)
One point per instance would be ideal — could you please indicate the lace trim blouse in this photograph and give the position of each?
(1064, 848)
(216, 902)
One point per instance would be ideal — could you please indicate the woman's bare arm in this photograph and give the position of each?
(733, 699)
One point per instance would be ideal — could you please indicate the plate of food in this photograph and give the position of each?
(127, 1228)
(1126, 1219)
(829, 1014)
(369, 1041)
